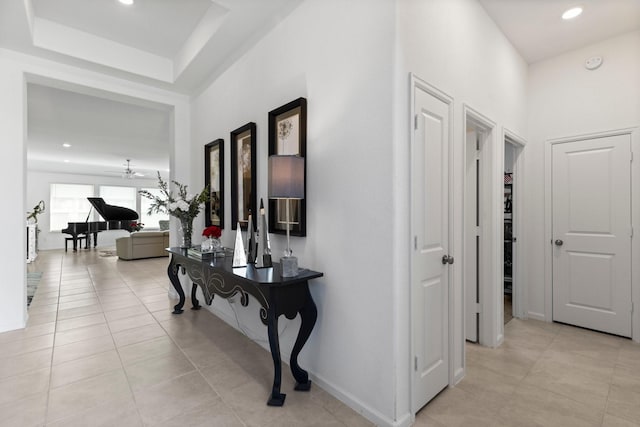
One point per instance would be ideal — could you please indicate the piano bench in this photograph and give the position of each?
(80, 239)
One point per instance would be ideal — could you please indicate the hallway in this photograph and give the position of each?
(103, 349)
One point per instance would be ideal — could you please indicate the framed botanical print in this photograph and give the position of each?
(288, 135)
(214, 178)
(243, 175)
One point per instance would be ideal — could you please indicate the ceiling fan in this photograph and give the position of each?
(128, 173)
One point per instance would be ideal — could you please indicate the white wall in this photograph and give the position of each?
(339, 56)
(15, 70)
(38, 188)
(565, 99)
(13, 302)
(454, 46)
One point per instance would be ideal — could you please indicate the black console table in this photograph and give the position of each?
(277, 295)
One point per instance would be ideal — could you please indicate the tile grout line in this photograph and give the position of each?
(91, 280)
(53, 344)
(115, 345)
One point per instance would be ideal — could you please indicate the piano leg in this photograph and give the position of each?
(66, 243)
(95, 240)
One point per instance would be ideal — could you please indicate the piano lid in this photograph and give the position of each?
(111, 212)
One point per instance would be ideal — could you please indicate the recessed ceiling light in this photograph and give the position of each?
(66, 161)
(572, 13)
(127, 2)
(66, 145)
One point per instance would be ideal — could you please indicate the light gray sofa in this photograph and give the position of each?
(143, 244)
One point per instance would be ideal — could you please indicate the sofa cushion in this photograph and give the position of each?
(147, 234)
(143, 244)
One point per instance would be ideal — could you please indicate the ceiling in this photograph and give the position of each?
(179, 45)
(537, 31)
(174, 44)
(182, 45)
(102, 132)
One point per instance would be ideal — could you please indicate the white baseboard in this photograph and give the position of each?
(458, 375)
(345, 397)
(360, 407)
(536, 316)
(6, 327)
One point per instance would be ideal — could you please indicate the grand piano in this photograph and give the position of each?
(115, 218)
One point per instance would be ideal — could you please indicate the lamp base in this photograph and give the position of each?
(289, 266)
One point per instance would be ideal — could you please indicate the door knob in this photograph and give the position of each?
(446, 259)
(559, 242)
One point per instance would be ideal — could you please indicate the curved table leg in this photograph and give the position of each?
(172, 272)
(195, 305)
(308, 315)
(276, 398)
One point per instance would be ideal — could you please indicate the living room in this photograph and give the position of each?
(91, 146)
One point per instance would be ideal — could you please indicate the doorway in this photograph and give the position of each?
(480, 230)
(473, 256)
(510, 239)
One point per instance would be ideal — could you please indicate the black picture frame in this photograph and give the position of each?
(243, 141)
(291, 119)
(214, 179)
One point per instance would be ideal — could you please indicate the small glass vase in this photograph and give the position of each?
(210, 244)
(215, 245)
(186, 230)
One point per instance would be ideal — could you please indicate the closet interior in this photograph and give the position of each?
(509, 239)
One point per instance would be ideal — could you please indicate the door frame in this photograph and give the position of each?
(491, 333)
(634, 133)
(519, 250)
(471, 194)
(417, 83)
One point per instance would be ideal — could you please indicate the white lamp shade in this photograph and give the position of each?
(286, 177)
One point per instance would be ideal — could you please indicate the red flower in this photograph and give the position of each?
(212, 231)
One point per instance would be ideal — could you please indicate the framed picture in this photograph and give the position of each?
(288, 135)
(214, 178)
(243, 175)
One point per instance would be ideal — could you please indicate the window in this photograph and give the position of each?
(68, 203)
(150, 221)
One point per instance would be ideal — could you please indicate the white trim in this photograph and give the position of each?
(635, 240)
(50, 73)
(635, 223)
(492, 187)
(415, 83)
(519, 252)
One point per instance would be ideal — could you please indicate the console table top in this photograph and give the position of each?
(269, 276)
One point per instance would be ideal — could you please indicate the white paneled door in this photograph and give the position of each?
(591, 214)
(430, 260)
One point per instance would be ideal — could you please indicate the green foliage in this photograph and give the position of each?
(184, 206)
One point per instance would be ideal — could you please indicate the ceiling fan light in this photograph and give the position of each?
(571, 13)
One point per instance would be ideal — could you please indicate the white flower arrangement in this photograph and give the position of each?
(185, 206)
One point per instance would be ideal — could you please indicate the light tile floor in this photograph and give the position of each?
(102, 349)
(544, 375)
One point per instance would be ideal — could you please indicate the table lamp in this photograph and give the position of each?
(286, 181)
